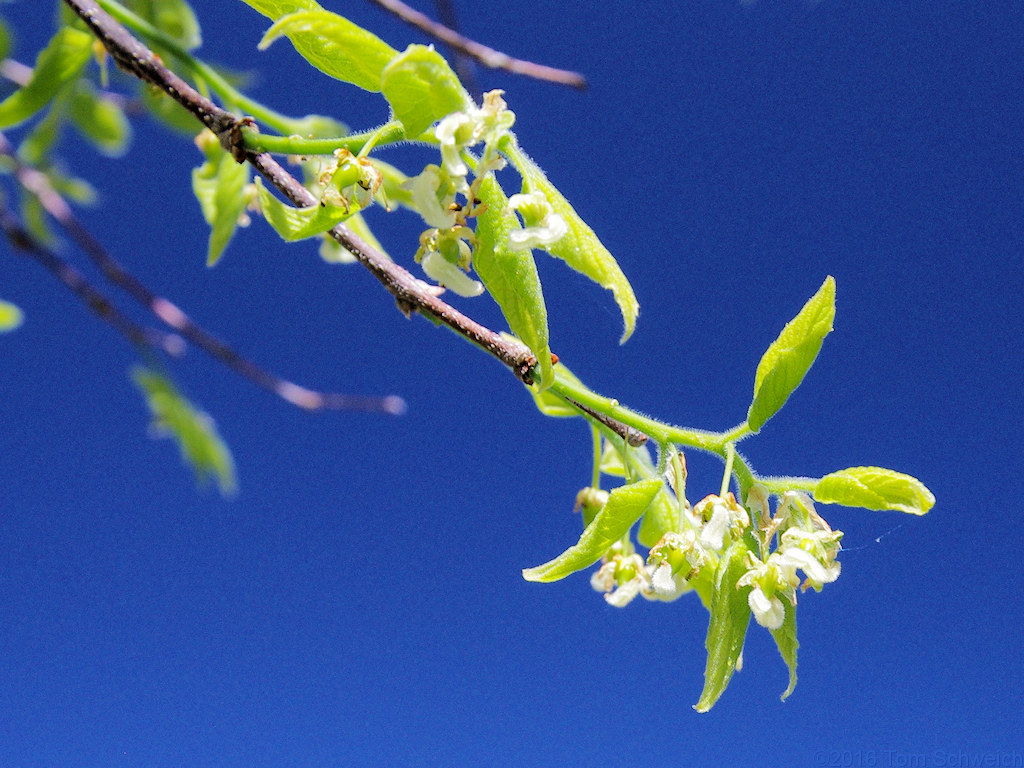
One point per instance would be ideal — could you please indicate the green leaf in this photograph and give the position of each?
(335, 46)
(275, 9)
(421, 88)
(786, 642)
(875, 488)
(11, 317)
(218, 184)
(299, 223)
(60, 62)
(511, 277)
(662, 517)
(100, 119)
(786, 362)
(202, 447)
(626, 504)
(727, 629)
(580, 247)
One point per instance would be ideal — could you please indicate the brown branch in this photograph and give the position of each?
(479, 52)
(37, 184)
(23, 241)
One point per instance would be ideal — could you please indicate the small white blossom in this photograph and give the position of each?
(443, 272)
(712, 536)
(624, 594)
(768, 611)
(424, 188)
(817, 572)
(621, 577)
(455, 133)
(544, 226)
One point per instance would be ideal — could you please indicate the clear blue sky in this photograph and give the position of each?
(360, 601)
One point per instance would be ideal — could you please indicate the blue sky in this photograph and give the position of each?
(360, 601)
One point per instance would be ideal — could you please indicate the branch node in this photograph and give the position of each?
(232, 138)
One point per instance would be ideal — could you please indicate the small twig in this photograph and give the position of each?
(479, 52)
(463, 64)
(36, 183)
(631, 435)
(91, 296)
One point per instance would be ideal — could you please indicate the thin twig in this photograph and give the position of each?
(92, 297)
(631, 435)
(463, 63)
(479, 52)
(36, 183)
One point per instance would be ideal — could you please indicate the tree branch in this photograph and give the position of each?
(36, 183)
(91, 296)
(479, 52)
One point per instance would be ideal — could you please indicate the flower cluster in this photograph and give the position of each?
(445, 252)
(687, 558)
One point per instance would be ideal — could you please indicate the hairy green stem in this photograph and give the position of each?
(389, 133)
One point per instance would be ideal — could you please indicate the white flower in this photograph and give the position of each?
(769, 611)
(443, 272)
(712, 536)
(461, 130)
(455, 133)
(818, 573)
(424, 188)
(664, 584)
(544, 226)
(621, 577)
(625, 593)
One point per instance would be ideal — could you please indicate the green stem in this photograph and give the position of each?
(730, 455)
(595, 433)
(779, 485)
(389, 133)
(711, 442)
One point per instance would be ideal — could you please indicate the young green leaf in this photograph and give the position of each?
(626, 504)
(786, 642)
(10, 316)
(59, 63)
(100, 119)
(786, 362)
(202, 447)
(875, 488)
(662, 517)
(218, 184)
(275, 9)
(335, 46)
(580, 247)
(299, 223)
(421, 88)
(730, 615)
(511, 277)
